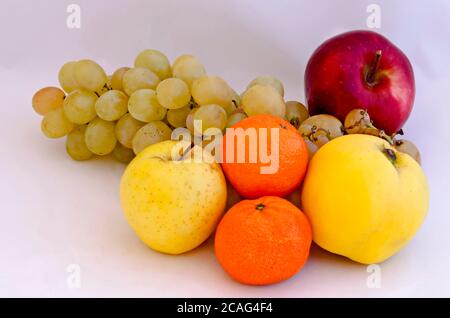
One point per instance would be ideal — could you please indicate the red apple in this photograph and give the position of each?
(361, 69)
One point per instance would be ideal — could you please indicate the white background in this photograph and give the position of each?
(56, 212)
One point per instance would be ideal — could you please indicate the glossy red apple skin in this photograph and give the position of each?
(335, 79)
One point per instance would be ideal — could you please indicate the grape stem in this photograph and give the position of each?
(386, 137)
(315, 129)
(360, 122)
(238, 110)
(192, 103)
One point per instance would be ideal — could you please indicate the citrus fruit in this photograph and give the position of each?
(264, 155)
(263, 241)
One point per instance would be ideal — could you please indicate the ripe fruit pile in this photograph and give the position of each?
(361, 188)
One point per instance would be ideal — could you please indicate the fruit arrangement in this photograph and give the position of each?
(337, 172)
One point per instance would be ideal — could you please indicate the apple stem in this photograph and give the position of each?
(186, 152)
(390, 154)
(370, 78)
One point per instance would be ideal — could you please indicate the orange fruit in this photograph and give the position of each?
(263, 241)
(289, 163)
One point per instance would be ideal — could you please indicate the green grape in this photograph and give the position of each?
(177, 117)
(357, 121)
(126, 128)
(112, 105)
(117, 77)
(66, 77)
(107, 87)
(173, 93)
(209, 143)
(55, 124)
(188, 69)
(100, 137)
(89, 75)
(76, 144)
(144, 106)
(139, 78)
(296, 113)
(156, 62)
(47, 99)
(409, 148)
(321, 128)
(211, 90)
(211, 116)
(190, 119)
(263, 99)
(165, 121)
(319, 139)
(123, 154)
(230, 108)
(108, 84)
(268, 80)
(312, 147)
(103, 91)
(150, 134)
(235, 118)
(79, 106)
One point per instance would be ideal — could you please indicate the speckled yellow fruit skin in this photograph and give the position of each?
(360, 204)
(172, 207)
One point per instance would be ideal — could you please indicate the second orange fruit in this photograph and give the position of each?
(263, 241)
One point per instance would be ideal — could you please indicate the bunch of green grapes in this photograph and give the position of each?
(134, 107)
(88, 110)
